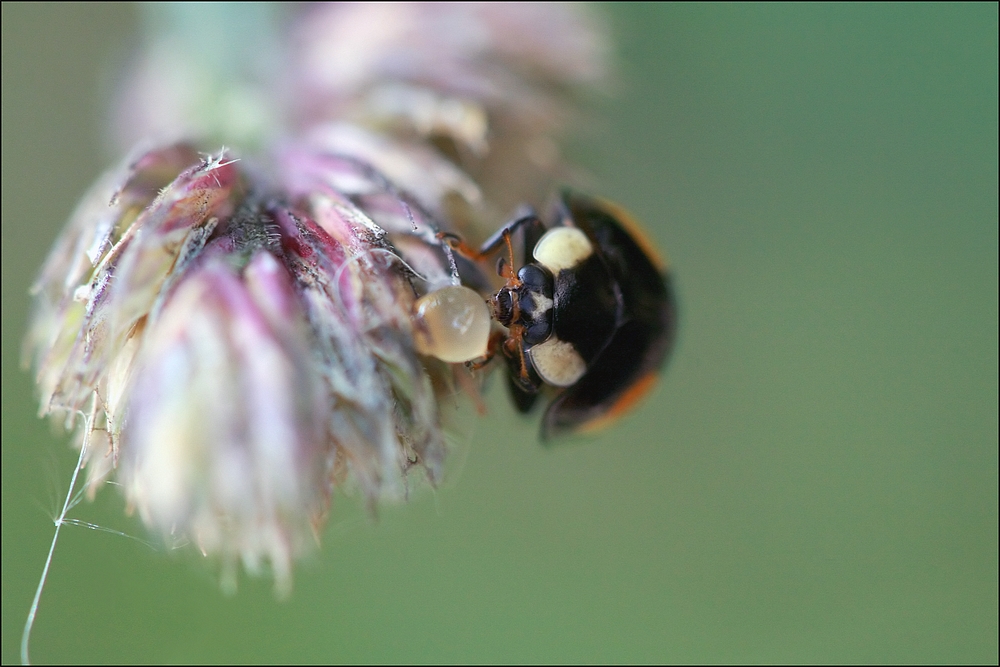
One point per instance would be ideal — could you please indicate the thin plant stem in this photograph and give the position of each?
(30, 621)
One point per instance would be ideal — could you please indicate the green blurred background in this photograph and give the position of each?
(815, 479)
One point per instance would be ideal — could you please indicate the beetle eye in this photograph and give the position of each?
(537, 332)
(537, 279)
(503, 305)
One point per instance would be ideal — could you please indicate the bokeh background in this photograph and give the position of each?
(815, 478)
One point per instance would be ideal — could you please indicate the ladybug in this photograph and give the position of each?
(590, 313)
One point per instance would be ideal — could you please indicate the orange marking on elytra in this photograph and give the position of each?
(625, 402)
(638, 234)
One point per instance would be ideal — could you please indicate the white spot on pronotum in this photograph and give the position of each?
(562, 248)
(557, 362)
(541, 302)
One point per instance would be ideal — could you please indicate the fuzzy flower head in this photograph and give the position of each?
(238, 352)
(244, 331)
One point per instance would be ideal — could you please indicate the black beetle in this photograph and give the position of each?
(590, 312)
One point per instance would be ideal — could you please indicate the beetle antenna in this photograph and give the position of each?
(511, 275)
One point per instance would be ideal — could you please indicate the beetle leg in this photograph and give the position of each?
(523, 400)
(533, 229)
(523, 383)
(522, 372)
(459, 245)
(495, 344)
